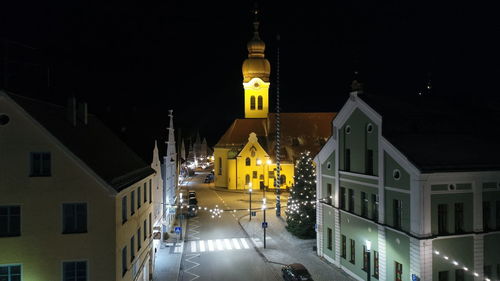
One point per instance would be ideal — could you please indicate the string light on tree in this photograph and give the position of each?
(301, 210)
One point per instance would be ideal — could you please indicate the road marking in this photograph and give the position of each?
(178, 247)
(220, 247)
(210, 245)
(244, 243)
(202, 246)
(193, 246)
(228, 244)
(236, 244)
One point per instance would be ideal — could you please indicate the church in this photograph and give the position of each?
(245, 156)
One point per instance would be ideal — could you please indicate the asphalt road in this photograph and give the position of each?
(217, 249)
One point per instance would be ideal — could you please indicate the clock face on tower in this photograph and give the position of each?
(256, 85)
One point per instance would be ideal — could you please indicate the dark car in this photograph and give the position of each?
(296, 272)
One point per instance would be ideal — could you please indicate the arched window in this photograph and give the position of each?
(252, 102)
(260, 103)
(247, 161)
(247, 179)
(261, 177)
(282, 179)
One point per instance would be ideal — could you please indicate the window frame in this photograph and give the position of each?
(75, 229)
(329, 242)
(9, 275)
(40, 170)
(352, 252)
(397, 216)
(9, 218)
(252, 102)
(442, 219)
(76, 271)
(260, 103)
(124, 209)
(398, 271)
(459, 217)
(343, 250)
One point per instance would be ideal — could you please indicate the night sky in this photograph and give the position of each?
(134, 60)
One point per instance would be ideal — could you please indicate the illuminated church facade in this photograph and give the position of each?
(245, 156)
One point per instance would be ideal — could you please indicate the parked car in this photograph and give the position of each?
(296, 272)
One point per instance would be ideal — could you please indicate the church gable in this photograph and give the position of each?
(253, 150)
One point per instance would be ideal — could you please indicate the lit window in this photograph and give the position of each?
(252, 102)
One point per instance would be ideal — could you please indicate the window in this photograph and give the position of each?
(330, 238)
(10, 221)
(329, 193)
(396, 174)
(365, 259)
(247, 179)
(398, 271)
(351, 200)
(252, 102)
(442, 218)
(443, 276)
(4, 119)
(487, 271)
(75, 271)
(138, 239)
(124, 260)
(220, 166)
(342, 198)
(132, 202)
(145, 229)
(364, 205)
(369, 128)
(486, 215)
(459, 275)
(343, 254)
(375, 207)
(261, 177)
(10, 272)
(150, 194)
(40, 164)
(75, 218)
(459, 217)
(282, 180)
(260, 103)
(375, 264)
(397, 209)
(150, 225)
(124, 209)
(254, 174)
(146, 191)
(369, 162)
(347, 129)
(328, 166)
(353, 251)
(247, 161)
(497, 219)
(139, 197)
(347, 160)
(270, 174)
(132, 248)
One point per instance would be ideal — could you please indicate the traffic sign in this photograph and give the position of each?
(253, 213)
(178, 229)
(415, 277)
(264, 224)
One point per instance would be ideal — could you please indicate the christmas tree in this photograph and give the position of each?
(301, 208)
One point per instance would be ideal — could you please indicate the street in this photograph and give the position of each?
(217, 248)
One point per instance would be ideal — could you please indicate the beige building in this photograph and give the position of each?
(75, 201)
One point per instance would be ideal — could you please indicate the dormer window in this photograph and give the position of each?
(247, 161)
(252, 151)
(328, 165)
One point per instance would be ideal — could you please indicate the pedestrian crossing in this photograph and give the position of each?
(218, 245)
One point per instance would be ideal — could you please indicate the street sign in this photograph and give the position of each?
(264, 224)
(178, 229)
(171, 211)
(415, 277)
(253, 213)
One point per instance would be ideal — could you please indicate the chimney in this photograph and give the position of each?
(82, 112)
(71, 111)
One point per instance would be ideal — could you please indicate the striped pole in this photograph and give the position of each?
(278, 135)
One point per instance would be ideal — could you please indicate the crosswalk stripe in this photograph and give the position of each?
(193, 246)
(228, 244)
(236, 244)
(202, 246)
(244, 243)
(220, 247)
(210, 245)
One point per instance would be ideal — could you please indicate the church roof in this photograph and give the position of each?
(439, 134)
(299, 132)
(96, 145)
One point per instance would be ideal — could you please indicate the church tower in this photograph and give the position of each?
(256, 70)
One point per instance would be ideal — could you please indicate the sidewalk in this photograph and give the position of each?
(284, 248)
(169, 256)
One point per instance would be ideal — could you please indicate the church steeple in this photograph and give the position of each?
(256, 70)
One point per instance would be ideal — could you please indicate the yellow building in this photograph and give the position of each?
(245, 155)
(75, 202)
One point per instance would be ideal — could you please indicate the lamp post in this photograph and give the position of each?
(180, 214)
(250, 201)
(264, 226)
(368, 269)
(268, 162)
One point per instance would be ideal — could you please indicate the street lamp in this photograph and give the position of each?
(250, 201)
(180, 214)
(368, 247)
(259, 163)
(264, 226)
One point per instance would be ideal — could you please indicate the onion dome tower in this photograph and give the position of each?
(256, 70)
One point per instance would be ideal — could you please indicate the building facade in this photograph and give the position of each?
(417, 181)
(76, 202)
